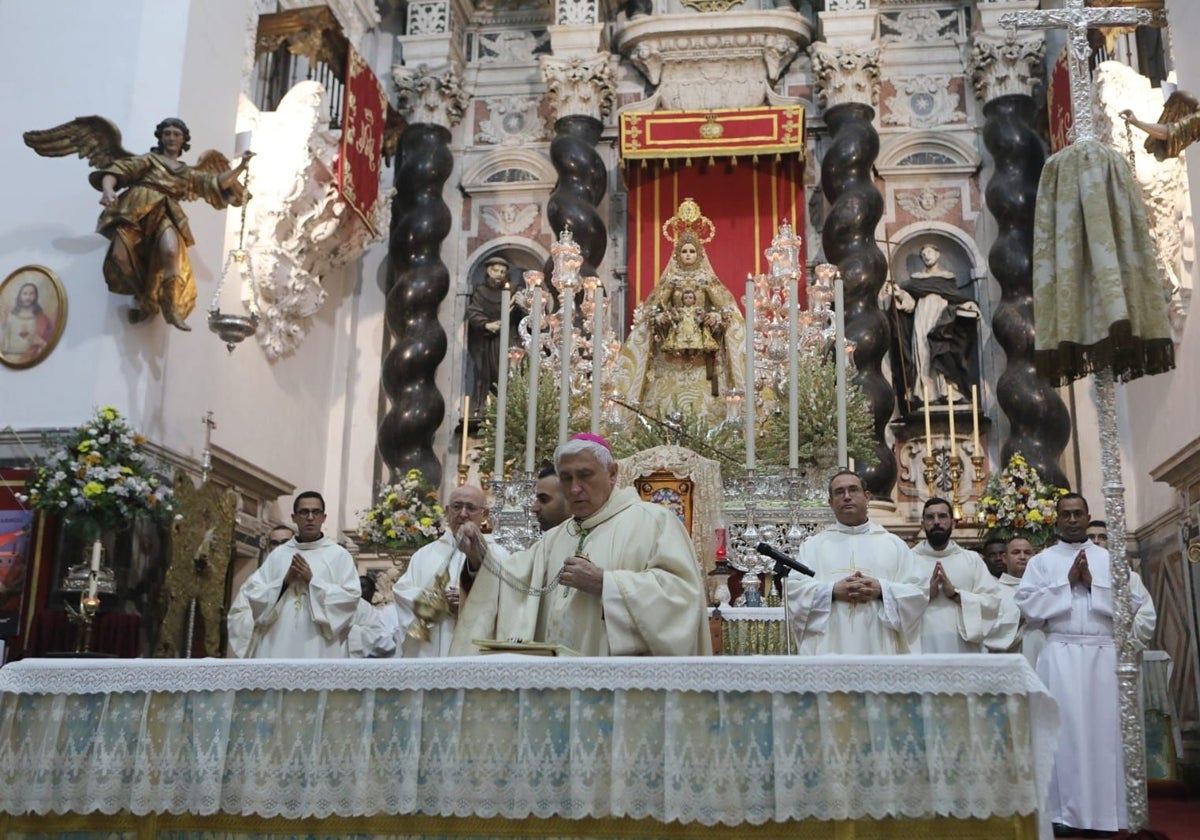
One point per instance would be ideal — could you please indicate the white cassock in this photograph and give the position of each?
(441, 555)
(965, 626)
(371, 633)
(1078, 664)
(652, 601)
(1028, 638)
(307, 621)
(889, 625)
(240, 623)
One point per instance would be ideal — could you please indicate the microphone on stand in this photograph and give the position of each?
(783, 563)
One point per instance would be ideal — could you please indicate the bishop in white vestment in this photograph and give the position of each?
(1068, 587)
(618, 578)
(965, 604)
(443, 557)
(869, 592)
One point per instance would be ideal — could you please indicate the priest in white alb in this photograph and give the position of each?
(304, 596)
(618, 578)
(438, 566)
(869, 592)
(965, 604)
(1068, 587)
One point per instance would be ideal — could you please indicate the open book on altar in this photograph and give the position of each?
(521, 646)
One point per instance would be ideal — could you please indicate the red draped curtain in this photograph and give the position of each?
(747, 180)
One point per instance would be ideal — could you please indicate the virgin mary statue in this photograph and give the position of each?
(681, 354)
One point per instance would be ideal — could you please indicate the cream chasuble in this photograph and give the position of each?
(652, 602)
(889, 625)
(308, 621)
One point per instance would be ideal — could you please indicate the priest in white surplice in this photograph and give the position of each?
(964, 599)
(619, 577)
(1029, 638)
(869, 591)
(466, 508)
(304, 596)
(1069, 588)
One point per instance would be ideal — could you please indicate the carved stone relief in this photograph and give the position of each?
(430, 96)
(575, 12)
(428, 17)
(511, 121)
(510, 219)
(1003, 65)
(511, 46)
(297, 225)
(915, 26)
(580, 86)
(923, 102)
(927, 203)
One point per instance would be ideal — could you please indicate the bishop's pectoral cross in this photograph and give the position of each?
(1077, 19)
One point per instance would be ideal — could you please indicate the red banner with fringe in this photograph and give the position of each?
(364, 113)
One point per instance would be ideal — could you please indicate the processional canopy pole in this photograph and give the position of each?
(1091, 247)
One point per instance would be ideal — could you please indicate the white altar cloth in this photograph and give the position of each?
(729, 740)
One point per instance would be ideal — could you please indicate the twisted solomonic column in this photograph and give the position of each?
(1004, 70)
(418, 280)
(848, 83)
(581, 92)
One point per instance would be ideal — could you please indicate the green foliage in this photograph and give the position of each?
(546, 437)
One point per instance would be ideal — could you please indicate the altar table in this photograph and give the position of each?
(505, 746)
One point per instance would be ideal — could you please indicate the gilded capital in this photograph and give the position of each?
(846, 74)
(583, 87)
(1004, 65)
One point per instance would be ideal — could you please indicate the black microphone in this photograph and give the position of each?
(781, 559)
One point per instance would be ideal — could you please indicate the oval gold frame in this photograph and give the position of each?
(33, 274)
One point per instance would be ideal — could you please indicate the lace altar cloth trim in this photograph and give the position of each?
(927, 674)
(743, 741)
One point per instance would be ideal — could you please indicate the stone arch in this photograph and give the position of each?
(928, 152)
(509, 170)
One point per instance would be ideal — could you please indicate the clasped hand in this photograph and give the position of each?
(857, 589)
(299, 571)
(1080, 573)
(941, 581)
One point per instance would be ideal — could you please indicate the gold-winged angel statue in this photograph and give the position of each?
(142, 217)
(1178, 125)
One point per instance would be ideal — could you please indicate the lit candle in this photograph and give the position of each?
(950, 404)
(975, 418)
(502, 382)
(597, 355)
(93, 586)
(928, 425)
(462, 457)
(793, 288)
(839, 338)
(564, 375)
(96, 548)
(749, 411)
(534, 358)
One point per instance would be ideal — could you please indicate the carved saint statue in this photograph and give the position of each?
(1178, 126)
(940, 334)
(483, 330)
(682, 352)
(142, 216)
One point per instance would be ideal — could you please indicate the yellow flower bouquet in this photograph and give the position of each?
(98, 478)
(406, 515)
(1017, 502)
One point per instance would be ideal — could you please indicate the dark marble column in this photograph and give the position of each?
(1039, 426)
(848, 239)
(418, 283)
(582, 183)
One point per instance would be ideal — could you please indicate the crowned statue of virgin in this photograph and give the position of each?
(683, 349)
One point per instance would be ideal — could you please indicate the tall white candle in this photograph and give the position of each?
(502, 382)
(466, 419)
(950, 403)
(928, 421)
(793, 288)
(839, 338)
(597, 355)
(975, 419)
(534, 358)
(96, 555)
(749, 401)
(93, 586)
(564, 375)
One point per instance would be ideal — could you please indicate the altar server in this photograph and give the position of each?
(1069, 588)
(1029, 637)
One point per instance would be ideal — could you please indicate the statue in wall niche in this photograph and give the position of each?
(1178, 126)
(483, 330)
(142, 217)
(938, 327)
